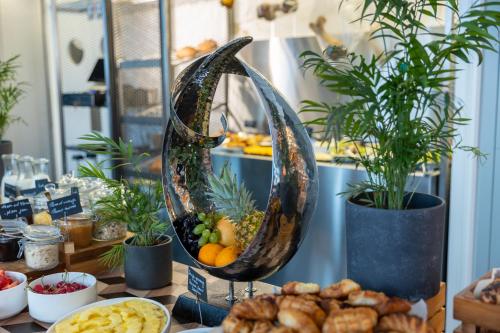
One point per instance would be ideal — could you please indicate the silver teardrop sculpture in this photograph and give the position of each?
(187, 162)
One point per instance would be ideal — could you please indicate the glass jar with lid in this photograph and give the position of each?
(41, 246)
(10, 235)
(40, 210)
(10, 174)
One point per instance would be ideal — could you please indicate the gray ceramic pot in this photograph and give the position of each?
(5, 148)
(399, 252)
(148, 267)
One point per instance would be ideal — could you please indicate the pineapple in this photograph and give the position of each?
(237, 204)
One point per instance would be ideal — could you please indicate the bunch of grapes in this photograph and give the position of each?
(183, 227)
(207, 230)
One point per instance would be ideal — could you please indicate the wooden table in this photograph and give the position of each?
(113, 285)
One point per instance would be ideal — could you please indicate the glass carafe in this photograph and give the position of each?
(25, 180)
(10, 173)
(41, 169)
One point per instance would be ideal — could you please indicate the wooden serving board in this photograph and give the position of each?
(473, 313)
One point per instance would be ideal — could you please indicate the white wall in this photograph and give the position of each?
(21, 33)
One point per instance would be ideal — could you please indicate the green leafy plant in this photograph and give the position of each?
(136, 203)
(11, 93)
(398, 103)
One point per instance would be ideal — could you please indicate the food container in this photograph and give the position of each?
(10, 235)
(40, 211)
(49, 308)
(77, 229)
(108, 231)
(41, 246)
(13, 300)
(108, 302)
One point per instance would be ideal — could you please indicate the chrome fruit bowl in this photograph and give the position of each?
(186, 164)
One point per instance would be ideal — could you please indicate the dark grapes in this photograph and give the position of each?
(184, 227)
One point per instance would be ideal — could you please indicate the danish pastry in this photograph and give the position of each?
(298, 288)
(366, 298)
(257, 309)
(297, 320)
(186, 52)
(393, 305)
(399, 322)
(308, 307)
(353, 320)
(329, 305)
(341, 289)
(234, 325)
(262, 327)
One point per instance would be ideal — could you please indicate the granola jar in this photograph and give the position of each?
(41, 247)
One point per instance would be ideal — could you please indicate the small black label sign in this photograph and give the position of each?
(197, 284)
(15, 209)
(40, 185)
(74, 190)
(68, 205)
(10, 191)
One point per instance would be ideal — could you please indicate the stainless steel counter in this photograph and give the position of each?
(322, 256)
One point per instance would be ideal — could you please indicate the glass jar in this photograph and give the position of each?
(40, 211)
(10, 173)
(108, 231)
(41, 247)
(10, 235)
(77, 229)
(25, 180)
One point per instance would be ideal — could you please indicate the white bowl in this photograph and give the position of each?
(13, 300)
(166, 329)
(49, 308)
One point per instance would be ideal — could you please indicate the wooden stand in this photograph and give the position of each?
(435, 309)
(476, 316)
(87, 259)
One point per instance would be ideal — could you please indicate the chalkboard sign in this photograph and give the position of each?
(197, 284)
(40, 184)
(10, 191)
(74, 190)
(15, 209)
(68, 205)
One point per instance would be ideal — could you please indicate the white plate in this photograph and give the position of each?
(204, 330)
(107, 302)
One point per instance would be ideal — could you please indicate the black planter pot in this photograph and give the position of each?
(398, 252)
(148, 267)
(5, 148)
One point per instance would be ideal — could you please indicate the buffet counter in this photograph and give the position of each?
(322, 256)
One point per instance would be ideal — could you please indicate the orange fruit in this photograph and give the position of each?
(208, 253)
(227, 256)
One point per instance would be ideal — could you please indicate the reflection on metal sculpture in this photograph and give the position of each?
(186, 163)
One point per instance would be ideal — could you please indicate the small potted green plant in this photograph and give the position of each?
(147, 255)
(399, 105)
(11, 93)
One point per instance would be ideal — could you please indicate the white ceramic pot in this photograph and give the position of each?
(13, 300)
(166, 328)
(50, 308)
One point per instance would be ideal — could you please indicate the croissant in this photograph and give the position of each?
(297, 288)
(297, 320)
(366, 298)
(255, 309)
(234, 325)
(340, 290)
(353, 320)
(310, 297)
(308, 307)
(392, 305)
(399, 322)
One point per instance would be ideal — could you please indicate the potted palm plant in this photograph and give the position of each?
(399, 106)
(147, 255)
(10, 93)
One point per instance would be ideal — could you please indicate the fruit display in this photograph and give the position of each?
(128, 316)
(342, 307)
(6, 282)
